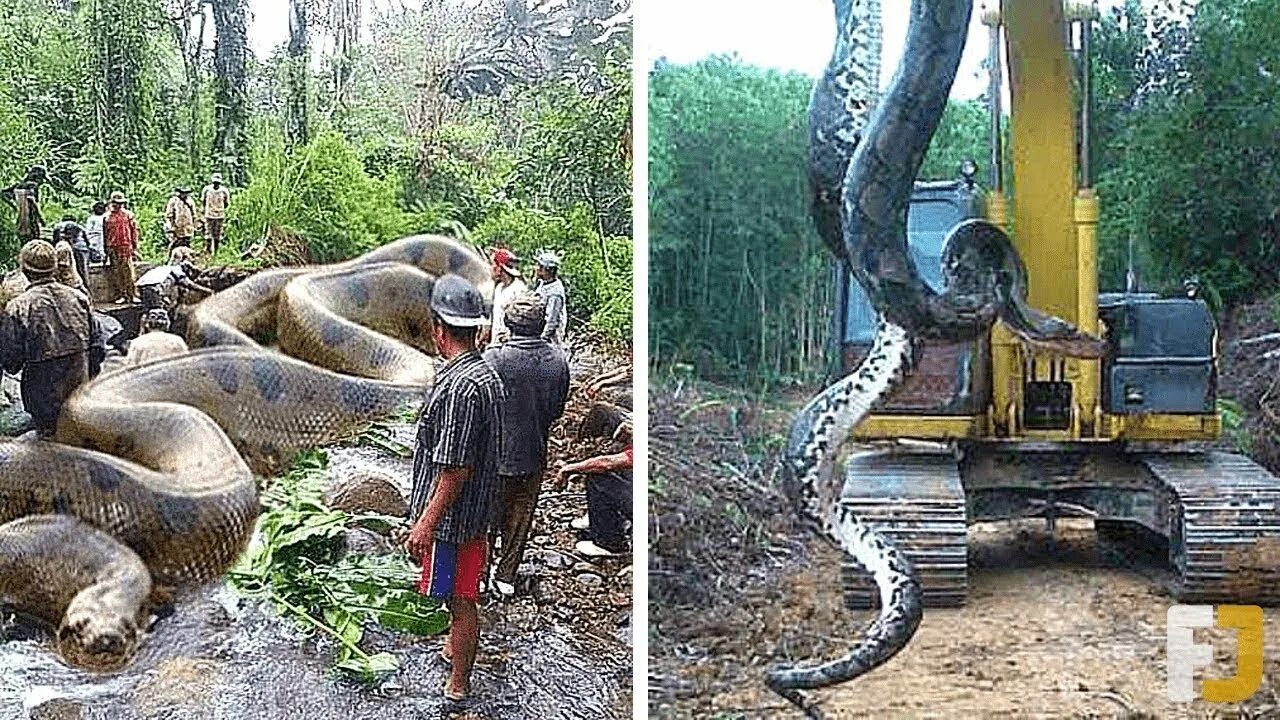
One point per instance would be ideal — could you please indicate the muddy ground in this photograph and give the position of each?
(1059, 625)
(562, 648)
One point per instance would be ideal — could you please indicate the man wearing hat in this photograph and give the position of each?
(214, 200)
(508, 283)
(45, 334)
(551, 289)
(455, 472)
(120, 232)
(536, 376)
(179, 218)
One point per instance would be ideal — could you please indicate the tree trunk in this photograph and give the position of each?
(297, 125)
(230, 53)
(346, 28)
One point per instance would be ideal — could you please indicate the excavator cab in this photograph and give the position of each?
(1015, 432)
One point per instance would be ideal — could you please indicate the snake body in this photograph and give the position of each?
(148, 486)
(862, 180)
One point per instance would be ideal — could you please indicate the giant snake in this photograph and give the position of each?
(148, 485)
(862, 180)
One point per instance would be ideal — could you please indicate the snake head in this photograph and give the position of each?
(96, 639)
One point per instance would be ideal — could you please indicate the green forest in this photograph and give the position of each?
(492, 121)
(1185, 129)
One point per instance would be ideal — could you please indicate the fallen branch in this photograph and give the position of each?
(1257, 340)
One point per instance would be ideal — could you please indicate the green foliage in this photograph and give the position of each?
(963, 134)
(596, 270)
(296, 563)
(322, 192)
(1233, 425)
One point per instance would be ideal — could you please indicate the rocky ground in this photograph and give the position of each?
(562, 648)
(1057, 625)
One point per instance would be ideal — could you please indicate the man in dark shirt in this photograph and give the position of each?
(455, 472)
(536, 376)
(74, 234)
(45, 333)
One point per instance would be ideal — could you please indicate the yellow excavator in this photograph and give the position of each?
(1020, 434)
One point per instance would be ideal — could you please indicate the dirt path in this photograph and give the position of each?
(1055, 626)
(1071, 630)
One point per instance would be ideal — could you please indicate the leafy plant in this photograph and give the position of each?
(297, 564)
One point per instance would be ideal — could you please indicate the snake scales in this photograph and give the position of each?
(862, 180)
(148, 486)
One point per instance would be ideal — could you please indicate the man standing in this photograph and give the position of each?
(25, 197)
(45, 334)
(551, 289)
(505, 272)
(93, 231)
(455, 472)
(214, 200)
(70, 231)
(536, 377)
(179, 218)
(120, 231)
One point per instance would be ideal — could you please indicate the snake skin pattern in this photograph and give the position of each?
(148, 486)
(862, 184)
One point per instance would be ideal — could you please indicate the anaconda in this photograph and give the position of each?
(862, 184)
(148, 485)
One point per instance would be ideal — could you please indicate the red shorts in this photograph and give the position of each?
(453, 569)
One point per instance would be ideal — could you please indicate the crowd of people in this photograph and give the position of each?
(482, 435)
(481, 453)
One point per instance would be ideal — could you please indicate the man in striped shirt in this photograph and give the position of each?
(455, 472)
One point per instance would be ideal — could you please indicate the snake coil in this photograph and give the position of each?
(148, 486)
(862, 180)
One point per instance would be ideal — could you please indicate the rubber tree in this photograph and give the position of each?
(230, 53)
(346, 42)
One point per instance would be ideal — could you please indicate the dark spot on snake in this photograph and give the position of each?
(413, 327)
(270, 451)
(227, 376)
(381, 356)
(457, 260)
(335, 332)
(61, 504)
(357, 399)
(359, 290)
(180, 514)
(105, 477)
(268, 378)
(417, 251)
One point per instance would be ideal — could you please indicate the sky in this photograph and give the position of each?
(796, 35)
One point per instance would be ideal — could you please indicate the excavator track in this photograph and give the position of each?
(916, 499)
(1224, 539)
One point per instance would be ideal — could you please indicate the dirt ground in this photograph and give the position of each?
(1055, 626)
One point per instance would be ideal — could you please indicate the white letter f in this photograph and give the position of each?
(1184, 654)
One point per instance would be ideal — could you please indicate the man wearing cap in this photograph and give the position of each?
(155, 341)
(214, 200)
(179, 218)
(551, 290)
(455, 472)
(536, 377)
(120, 232)
(45, 334)
(509, 283)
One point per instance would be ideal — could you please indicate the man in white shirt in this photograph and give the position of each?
(158, 287)
(551, 289)
(509, 283)
(94, 232)
(214, 200)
